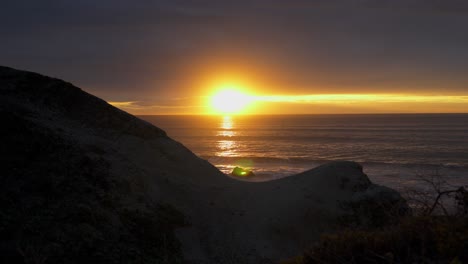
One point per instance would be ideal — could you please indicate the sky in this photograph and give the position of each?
(290, 57)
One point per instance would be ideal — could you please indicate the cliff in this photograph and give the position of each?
(84, 182)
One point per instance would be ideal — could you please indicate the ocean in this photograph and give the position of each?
(394, 149)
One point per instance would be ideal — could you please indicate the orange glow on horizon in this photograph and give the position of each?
(235, 99)
(356, 98)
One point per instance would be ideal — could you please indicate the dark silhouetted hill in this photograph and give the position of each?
(60, 200)
(84, 182)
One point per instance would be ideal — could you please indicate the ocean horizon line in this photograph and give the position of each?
(311, 114)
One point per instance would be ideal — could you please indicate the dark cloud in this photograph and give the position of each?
(121, 49)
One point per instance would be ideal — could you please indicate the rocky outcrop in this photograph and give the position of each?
(375, 207)
(367, 204)
(85, 182)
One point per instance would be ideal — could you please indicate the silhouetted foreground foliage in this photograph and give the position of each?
(395, 236)
(60, 204)
(373, 211)
(414, 240)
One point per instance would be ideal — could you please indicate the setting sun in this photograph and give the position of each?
(229, 101)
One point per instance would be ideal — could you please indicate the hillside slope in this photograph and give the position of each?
(84, 182)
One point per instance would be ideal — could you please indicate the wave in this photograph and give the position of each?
(304, 161)
(309, 139)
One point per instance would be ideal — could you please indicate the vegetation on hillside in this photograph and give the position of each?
(435, 232)
(61, 205)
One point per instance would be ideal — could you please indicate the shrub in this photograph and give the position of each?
(415, 240)
(435, 233)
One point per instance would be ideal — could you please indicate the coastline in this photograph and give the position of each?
(93, 183)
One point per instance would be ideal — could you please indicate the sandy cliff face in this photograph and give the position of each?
(70, 153)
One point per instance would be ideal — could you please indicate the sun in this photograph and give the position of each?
(229, 101)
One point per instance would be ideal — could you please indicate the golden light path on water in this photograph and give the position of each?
(227, 147)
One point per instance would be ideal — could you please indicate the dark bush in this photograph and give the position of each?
(427, 239)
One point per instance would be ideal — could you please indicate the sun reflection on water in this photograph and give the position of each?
(226, 133)
(226, 148)
(226, 127)
(226, 123)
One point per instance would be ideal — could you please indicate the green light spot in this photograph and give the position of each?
(240, 172)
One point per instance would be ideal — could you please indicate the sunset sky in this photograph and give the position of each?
(286, 57)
